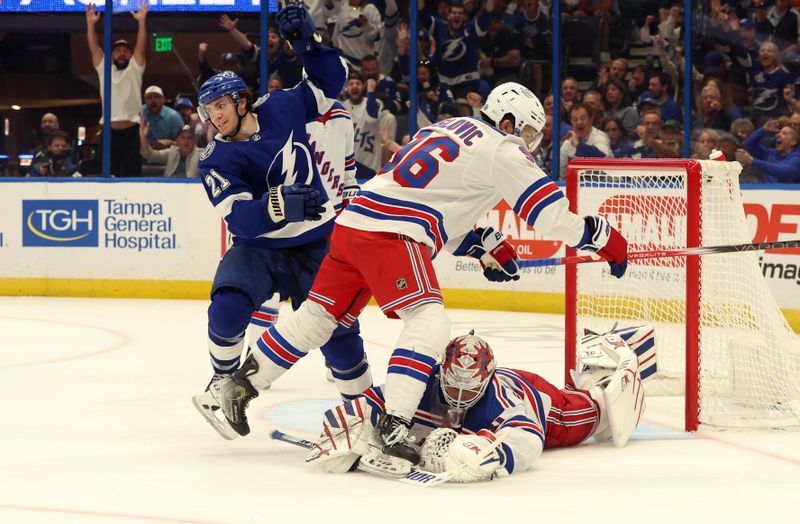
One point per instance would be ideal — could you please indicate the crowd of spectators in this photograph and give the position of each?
(747, 56)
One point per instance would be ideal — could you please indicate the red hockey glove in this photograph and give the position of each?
(599, 237)
(498, 258)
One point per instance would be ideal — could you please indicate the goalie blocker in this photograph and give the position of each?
(478, 422)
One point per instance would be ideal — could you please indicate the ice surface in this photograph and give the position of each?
(98, 426)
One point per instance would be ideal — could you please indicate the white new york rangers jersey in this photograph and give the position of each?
(437, 187)
(331, 139)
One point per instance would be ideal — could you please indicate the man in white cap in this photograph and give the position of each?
(126, 87)
(164, 122)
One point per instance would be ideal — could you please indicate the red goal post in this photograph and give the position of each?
(713, 340)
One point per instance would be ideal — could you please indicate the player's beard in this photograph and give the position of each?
(121, 64)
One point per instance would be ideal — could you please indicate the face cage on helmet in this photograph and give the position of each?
(456, 402)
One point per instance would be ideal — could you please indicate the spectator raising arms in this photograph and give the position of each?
(357, 27)
(181, 159)
(163, 121)
(781, 164)
(126, 88)
(458, 46)
(365, 109)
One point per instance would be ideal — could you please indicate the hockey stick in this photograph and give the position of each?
(682, 252)
(416, 476)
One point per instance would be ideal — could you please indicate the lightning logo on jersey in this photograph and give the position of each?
(454, 50)
(292, 156)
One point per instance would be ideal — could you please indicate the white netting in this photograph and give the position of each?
(749, 371)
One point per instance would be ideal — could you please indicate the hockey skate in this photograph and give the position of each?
(208, 406)
(224, 403)
(393, 434)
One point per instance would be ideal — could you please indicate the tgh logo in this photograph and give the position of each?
(59, 223)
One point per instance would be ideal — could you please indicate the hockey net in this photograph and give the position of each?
(721, 339)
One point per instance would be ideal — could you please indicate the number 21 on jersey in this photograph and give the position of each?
(418, 162)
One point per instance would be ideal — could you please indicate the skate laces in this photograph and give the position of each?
(399, 433)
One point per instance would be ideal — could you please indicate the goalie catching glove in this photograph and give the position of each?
(599, 237)
(294, 203)
(466, 458)
(498, 258)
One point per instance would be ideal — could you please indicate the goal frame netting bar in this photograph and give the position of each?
(693, 172)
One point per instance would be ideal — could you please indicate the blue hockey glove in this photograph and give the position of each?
(296, 25)
(599, 237)
(294, 203)
(498, 258)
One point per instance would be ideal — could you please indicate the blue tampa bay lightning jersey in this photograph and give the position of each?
(238, 174)
(457, 52)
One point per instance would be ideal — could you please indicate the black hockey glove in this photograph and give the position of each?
(296, 25)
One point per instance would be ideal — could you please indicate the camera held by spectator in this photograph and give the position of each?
(56, 160)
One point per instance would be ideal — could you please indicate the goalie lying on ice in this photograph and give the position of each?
(470, 403)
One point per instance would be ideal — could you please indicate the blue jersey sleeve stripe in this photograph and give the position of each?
(438, 219)
(528, 192)
(409, 372)
(538, 208)
(356, 208)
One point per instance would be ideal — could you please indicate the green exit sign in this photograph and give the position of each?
(162, 43)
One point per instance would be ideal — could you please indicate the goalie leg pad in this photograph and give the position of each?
(623, 399)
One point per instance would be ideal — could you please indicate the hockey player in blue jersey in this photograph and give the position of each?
(260, 175)
(470, 404)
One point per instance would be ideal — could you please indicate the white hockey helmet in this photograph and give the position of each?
(466, 371)
(517, 100)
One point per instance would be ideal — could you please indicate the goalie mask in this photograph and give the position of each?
(466, 371)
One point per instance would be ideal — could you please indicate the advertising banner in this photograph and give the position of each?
(108, 230)
(165, 231)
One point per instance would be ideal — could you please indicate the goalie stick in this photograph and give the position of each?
(416, 476)
(663, 253)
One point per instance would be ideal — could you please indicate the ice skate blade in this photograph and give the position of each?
(205, 404)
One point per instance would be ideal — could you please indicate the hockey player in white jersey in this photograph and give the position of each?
(427, 198)
(331, 139)
(470, 404)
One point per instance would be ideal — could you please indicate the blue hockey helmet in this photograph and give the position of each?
(219, 85)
